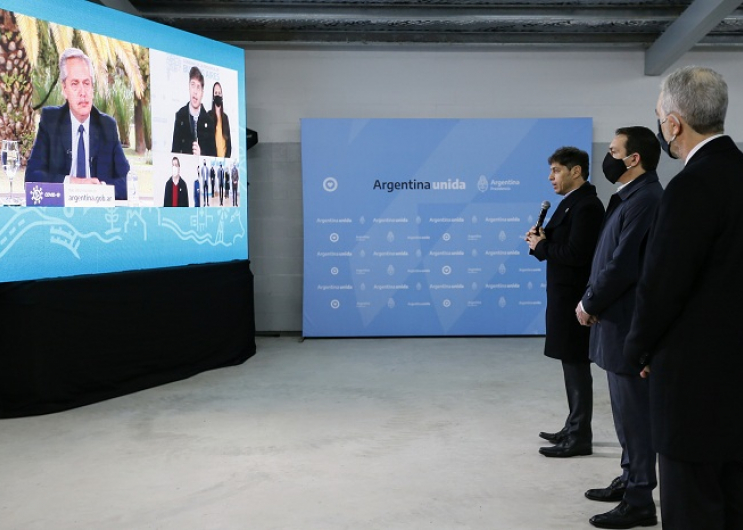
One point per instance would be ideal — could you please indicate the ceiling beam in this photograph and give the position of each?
(700, 18)
(122, 5)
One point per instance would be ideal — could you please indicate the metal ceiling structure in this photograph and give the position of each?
(665, 29)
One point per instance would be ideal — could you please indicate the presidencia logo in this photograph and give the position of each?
(330, 184)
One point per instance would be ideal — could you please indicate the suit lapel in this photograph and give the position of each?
(64, 131)
(564, 207)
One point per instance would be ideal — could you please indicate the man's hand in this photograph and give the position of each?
(533, 237)
(79, 180)
(645, 372)
(195, 148)
(584, 318)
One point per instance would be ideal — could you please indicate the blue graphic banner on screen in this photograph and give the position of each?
(139, 232)
(415, 227)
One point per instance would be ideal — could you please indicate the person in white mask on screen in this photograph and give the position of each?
(176, 189)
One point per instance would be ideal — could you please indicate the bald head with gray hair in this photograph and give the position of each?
(699, 95)
(73, 53)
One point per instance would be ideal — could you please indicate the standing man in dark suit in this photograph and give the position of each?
(607, 307)
(235, 182)
(95, 156)
(193, 131)
(204, 171)
(567, 244)
(176, 189)
(220, 180)
(686, 330)
(212, 176)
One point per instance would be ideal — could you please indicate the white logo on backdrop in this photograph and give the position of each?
(390, 237)
(335, 304)
(334, 271)
(502, 268)
(446, 270)
(446, 302)
(390, 270)
(502, 236)
(334, 237)
(482, 184)
(502, 302)
(330, 184)
(446, 236)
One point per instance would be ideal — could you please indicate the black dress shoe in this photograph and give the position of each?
(554, 437)
(566, 448)
(613, 493)
(626, 516)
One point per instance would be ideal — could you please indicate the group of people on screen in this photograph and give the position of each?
(204, 134)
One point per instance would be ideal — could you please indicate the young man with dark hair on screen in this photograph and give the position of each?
(193, 131)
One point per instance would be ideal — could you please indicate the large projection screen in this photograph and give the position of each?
(142, 79)
(415, 227)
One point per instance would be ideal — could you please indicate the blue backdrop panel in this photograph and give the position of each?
(416, 227)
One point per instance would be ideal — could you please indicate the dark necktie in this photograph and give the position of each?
(193, 127)
(81, 153)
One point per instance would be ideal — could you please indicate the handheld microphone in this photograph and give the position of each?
(542, 214)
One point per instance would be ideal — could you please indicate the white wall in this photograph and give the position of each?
(609, 86)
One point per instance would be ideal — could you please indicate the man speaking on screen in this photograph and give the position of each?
(193, 130)
(76, 143)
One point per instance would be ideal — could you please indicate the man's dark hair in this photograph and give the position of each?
(642, 141)
(195, 73)
(571, 157)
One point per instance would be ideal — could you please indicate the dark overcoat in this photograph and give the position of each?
(571, 233)
(688, 319)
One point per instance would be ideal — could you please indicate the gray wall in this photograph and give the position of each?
(285, 85)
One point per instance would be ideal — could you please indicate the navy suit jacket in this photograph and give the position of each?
(51, 156)
(616, 268)
(687, 321)
(571, 239)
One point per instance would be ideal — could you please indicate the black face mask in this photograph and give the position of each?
(218, 101)
(614, 168)
(666, 146)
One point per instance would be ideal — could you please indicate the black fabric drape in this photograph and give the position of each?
(74, 341)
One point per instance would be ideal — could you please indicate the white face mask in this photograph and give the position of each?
(175, 171)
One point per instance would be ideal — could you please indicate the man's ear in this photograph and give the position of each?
(676, 124)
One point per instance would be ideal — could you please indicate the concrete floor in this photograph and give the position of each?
(321, 434)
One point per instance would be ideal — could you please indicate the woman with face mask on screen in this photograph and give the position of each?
(221, 123)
